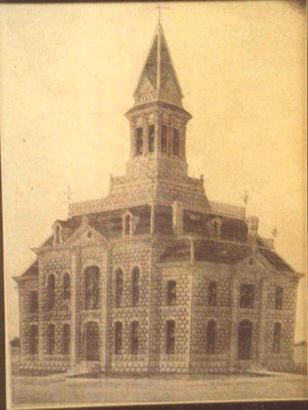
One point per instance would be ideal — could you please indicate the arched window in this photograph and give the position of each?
(135, 286)
(33, 345)
(134, 337)
(92, 288)
(164, 139)
(171, 292)
(139, 141)
(216, 225)
(170, 337)
(118, 288)
(66, 286)
(151, 138)
(118, 338)
(211, 337)
(51, 341)
(277, 337)
(51, 296)
(247, 296)
(212, 293)
(33, 301)
(176, 142)
(66, 338)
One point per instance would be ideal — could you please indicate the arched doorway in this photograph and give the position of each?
(244, 340)
(91, 341)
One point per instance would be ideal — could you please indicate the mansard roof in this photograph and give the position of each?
(158, 78)
(219, 251)
(31, 272)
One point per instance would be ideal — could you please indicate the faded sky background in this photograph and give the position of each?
(68, 73)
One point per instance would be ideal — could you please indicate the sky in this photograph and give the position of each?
(67, 76)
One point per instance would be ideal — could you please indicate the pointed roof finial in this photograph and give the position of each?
(159, 8)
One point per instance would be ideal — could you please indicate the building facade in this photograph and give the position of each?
(154, 277)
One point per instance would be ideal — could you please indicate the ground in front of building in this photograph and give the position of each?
(57, 388)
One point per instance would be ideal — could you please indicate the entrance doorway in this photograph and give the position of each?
(91, 341)
(244, 340)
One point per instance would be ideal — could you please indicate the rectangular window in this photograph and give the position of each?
(170, 337)
(139, 141)
(176, 142)
(247, 296)
(134, 338)
(66, 339)
(33, 301)
(151, 137)
(33, 345)
(171, 292)
(164, 139)
(51, 342)
(118, 338)
(212, 293)
(278, 297)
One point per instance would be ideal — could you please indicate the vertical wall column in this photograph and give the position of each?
(75, 259)
(264, 286)
(234, 321)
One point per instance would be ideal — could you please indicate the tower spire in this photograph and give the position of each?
(158, 79)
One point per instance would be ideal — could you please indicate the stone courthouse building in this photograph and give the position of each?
(154, 277)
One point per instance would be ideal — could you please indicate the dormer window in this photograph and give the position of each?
(151, 138)
(57, 234)
(139, 141)
(216, 225)
(127, 224)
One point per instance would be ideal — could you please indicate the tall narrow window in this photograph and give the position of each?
(33, 301)
(277, 337)
(118, 338)
(170, 337)
(212, 293)
(92, 288)
(51, 297)
(164, 139)
(118, 288)
(139, 141)
(247, 296)
(176, 142)
(211, 337)
(134, 337)
(33, 345)
(127, 224)
(66, 338)
(57, 235)
(151, 138)
(66, 286)
(51, 342)
(278, 297)
(171, 292)
(135, 286)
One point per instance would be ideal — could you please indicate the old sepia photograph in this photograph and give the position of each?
(154, 202)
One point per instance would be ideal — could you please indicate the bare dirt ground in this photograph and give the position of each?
(58, 389)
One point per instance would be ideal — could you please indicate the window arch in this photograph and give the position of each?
(118, 287)
(212, 293)
(66, 338)
(277, 337)
(66, 286)
(51, 341)
(51, 292)
(33, 345)
(170, 336)
(135, 286)
(171, 292)
(211, 337)
(118, 338)
(92, 288)
(134, 337)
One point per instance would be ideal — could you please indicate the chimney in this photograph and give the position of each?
(177, 218)
(252, 225)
